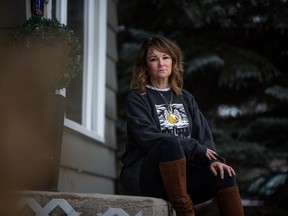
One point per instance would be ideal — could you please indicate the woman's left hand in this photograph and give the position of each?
(221, 167)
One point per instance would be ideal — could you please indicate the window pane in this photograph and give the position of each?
(75, 21)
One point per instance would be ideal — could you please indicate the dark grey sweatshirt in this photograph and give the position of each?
(144, 129)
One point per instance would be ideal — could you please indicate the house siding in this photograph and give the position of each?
(86, 165)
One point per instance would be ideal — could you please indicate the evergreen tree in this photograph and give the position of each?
(236, 60)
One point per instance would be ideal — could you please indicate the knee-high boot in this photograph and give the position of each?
(173, 175)
(229, 202)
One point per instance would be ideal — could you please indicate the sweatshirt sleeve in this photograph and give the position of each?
(143, 130)
(141, 127)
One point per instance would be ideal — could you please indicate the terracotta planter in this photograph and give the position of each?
(52, 137)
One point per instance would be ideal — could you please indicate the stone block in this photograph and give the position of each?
(74, 204)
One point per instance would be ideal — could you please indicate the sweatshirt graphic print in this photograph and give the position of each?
(175, 121)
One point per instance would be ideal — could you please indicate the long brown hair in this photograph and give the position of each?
(141, 76)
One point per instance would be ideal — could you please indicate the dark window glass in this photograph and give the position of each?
(75, 21)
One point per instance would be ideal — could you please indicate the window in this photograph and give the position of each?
(75, 20)
(85, 95)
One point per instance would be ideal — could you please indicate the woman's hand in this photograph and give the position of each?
(221, 167)
(211, 155)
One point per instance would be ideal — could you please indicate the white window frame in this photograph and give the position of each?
(94, 65)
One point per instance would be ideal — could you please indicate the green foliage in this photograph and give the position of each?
(255, 143)
(202, 62)
(43, 36)
(279, 92)
(242, 65)
(264, 130)
(243, 152)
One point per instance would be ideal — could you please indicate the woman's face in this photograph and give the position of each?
(159, 66)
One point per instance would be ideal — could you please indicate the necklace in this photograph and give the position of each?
(171, 117)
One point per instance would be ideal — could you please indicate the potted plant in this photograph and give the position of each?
(54, 45)
(44, 56)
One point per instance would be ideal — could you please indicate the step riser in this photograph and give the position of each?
(75, 204)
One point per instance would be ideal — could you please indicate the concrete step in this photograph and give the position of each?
(73, 204)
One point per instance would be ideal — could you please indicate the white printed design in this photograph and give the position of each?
(180, 127)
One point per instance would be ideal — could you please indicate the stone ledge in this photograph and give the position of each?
(74, 204)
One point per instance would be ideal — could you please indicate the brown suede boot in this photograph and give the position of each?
(173, 175)
(229, 202)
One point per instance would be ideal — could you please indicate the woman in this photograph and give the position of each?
(170, 151)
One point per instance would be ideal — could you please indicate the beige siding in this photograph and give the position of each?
(111, 76)
(83, 182)
(111, 44)
(82, 153)
(111, 106)
(112, 13)
(110, 134)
